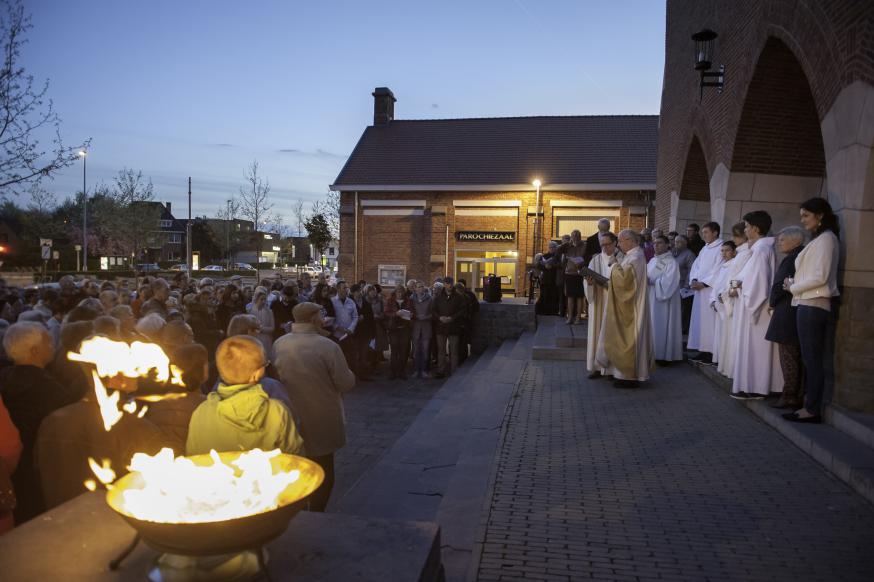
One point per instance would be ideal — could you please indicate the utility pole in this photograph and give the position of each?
(228, 224)
(188, 231)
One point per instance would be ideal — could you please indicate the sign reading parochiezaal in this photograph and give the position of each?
(485, 235)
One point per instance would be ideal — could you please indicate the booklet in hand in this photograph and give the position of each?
(596, 276)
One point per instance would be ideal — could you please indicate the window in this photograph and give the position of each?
(165, 223)
(175, 237)
(331, 251)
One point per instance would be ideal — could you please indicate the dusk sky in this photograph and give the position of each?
(201, 88)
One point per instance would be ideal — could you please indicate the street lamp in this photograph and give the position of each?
(537, 216)
(84, 155)
(704, 42)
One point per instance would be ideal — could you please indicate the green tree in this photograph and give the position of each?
(318, 232)
(135, 218)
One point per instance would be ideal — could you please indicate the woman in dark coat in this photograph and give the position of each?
(783, 330)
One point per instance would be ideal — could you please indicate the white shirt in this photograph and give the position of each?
(345, 315)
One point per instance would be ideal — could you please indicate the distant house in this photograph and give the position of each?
(239, 239)
(167, 241)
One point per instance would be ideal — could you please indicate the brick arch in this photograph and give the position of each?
(779, 130)
(695, 184)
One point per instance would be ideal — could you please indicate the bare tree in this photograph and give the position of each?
(329, 208)
(26, 113)
(255, 203)
(41, 200)
(135, 218)
(299, 216)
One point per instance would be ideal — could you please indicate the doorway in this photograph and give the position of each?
(474, 266)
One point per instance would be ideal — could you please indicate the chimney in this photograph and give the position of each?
(169, 208)
(383, 106)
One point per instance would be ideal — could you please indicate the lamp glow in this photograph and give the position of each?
(536, 183)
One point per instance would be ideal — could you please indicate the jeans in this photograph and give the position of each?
(817, 352)
(399, 342)
(421, 343)
(441, 353)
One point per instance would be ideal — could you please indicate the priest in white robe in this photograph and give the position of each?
(663, 274)
(756, 372)
(597, 297)
(719, 284)
(730, 332)
(701, 279)
(627, 345)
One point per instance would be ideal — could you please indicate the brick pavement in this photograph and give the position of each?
(377, 413)
(671, 482)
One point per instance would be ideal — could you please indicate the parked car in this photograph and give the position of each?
(148, 267)
(179, 267)
(213, 268)
(242, 267)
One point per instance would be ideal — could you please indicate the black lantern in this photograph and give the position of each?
(704, 41)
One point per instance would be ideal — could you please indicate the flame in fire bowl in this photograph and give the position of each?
(221, 535)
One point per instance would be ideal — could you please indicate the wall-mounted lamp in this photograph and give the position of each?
(704, 41)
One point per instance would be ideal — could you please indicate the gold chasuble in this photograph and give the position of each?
(627, 342)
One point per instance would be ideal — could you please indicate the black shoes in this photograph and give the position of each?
(703, 358)
(793, 417)
(594, 375)
(745, 396)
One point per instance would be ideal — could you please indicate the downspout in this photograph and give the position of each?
(446, 258)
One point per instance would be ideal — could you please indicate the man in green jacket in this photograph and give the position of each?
(240, 415)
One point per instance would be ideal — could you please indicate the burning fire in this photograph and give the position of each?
(165, 489)
(120, 360)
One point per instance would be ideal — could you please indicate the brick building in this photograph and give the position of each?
(795, 119)
(428, 198)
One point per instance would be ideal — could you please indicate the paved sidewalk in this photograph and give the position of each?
(675, 481)
(377, 413)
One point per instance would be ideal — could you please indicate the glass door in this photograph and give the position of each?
(475, 266)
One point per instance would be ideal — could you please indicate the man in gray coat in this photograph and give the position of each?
(316, 375)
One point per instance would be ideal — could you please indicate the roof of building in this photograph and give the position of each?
(609, 149)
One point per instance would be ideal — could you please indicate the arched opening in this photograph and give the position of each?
(778, 159)
(694, 196)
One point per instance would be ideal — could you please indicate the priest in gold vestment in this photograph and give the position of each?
(627, 345)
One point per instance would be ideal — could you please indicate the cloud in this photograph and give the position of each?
(435, 106)
(288, 151)
(224, 145)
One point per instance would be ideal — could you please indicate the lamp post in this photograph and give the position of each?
(84, 155)
(229, 236)
(537, 218)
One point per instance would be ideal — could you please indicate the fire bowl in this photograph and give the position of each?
(230, 535)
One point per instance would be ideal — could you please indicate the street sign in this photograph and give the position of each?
(46, 252)
(77, 247)
(56, 255)
(45, 242)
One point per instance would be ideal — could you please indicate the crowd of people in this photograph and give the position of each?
(647, 296)
(262, 365)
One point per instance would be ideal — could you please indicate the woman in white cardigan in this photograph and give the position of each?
(814, 286)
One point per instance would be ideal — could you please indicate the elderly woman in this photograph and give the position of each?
(783, 329)
(264, 315)
(813, 288)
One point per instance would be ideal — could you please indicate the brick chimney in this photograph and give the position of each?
(169, 208)
(383, 106)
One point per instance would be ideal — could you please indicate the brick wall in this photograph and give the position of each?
(832, 42)
(419, 242)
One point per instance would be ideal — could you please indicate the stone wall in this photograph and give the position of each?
(500, 321)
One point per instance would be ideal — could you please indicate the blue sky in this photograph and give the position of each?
(201, 88)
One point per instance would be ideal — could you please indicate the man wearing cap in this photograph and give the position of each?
(316, 375)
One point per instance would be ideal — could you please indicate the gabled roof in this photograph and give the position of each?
(578, 150)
